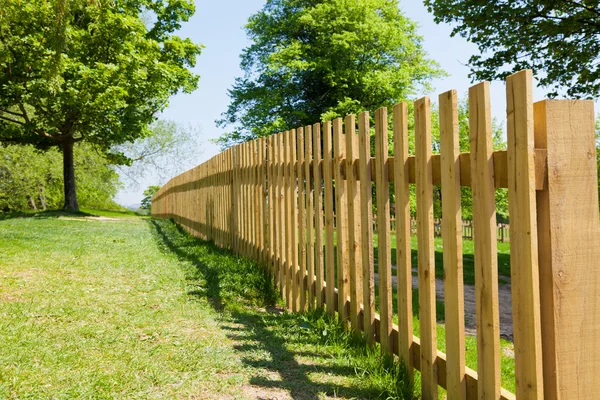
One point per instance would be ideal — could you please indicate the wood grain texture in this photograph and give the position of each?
(341, 218)
(570, 263)
(383, 229)
(523, 234)
(354, 225)
(318, 189)
(310, 214)
(301, 222)
(329, 242)
(366, 213)
(403, 237)
(426, 247)
(286, 220)
(270, 208)
(485, 242)
(452, 242)
(281, 214)
(293, 227)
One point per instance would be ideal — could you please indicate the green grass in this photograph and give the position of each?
(468, 258)
(136, 308)
(507, 363)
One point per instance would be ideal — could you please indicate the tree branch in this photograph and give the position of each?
(12, 113)
(12, 120)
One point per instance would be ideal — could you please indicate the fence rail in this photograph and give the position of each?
(273, 200)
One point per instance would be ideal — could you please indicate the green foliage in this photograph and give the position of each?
(147, 200)
(30, 178)
(557, 39)
(311, 60)
(90, 71)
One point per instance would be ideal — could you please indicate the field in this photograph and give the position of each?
(118, 306)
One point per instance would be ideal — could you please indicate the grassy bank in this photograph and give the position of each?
(127, 307)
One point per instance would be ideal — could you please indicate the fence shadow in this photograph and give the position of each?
(264, 346)
(289, 370)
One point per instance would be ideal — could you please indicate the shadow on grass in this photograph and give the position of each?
(43, 214)
(266, 341)
(284, 350)
(48, 214)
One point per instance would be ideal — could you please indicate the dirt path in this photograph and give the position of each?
(504, 297)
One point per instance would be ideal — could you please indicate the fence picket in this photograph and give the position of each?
(289, 222)
(329, 243)
(384, 262)
(403, 247)
(310, 214)
(354, 225)
(426, 256)
(523, 232)
(318, 185)
(485, 246)
(281, 214)
(366, 212)
(293, 227)
(301, 221)
(452, 242)
(341, 218)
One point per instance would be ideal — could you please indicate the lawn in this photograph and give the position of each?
(128, 307)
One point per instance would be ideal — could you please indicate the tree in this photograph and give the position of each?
(314, 59)
(146, 203)
(32, 179)
(170, 149)
(557, 38)
(75, 70)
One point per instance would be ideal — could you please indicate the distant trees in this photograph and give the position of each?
(89, 71)
(557, 39)
(147, 200)
(31, 179)
(310, 60)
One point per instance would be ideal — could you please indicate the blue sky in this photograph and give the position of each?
(218, 25)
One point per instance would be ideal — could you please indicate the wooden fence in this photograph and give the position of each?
(266, 200)
(502, 230)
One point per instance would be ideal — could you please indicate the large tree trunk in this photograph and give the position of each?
(69, 177)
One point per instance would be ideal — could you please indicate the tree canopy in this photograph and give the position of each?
(75, 70)
(557, 39)
(314, 59)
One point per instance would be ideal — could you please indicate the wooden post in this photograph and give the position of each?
(569, 250)
(341, 218)
(289, 222)
(310, 227)
(329, 244)
(294, 272)
(384, 262)
(426, 265)
(485, 246)
(452, 241)
(354, 224)
(301, 220)
(235, 155)
(403, 248)
(366, 215)
(319, 269)
(524, 247)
